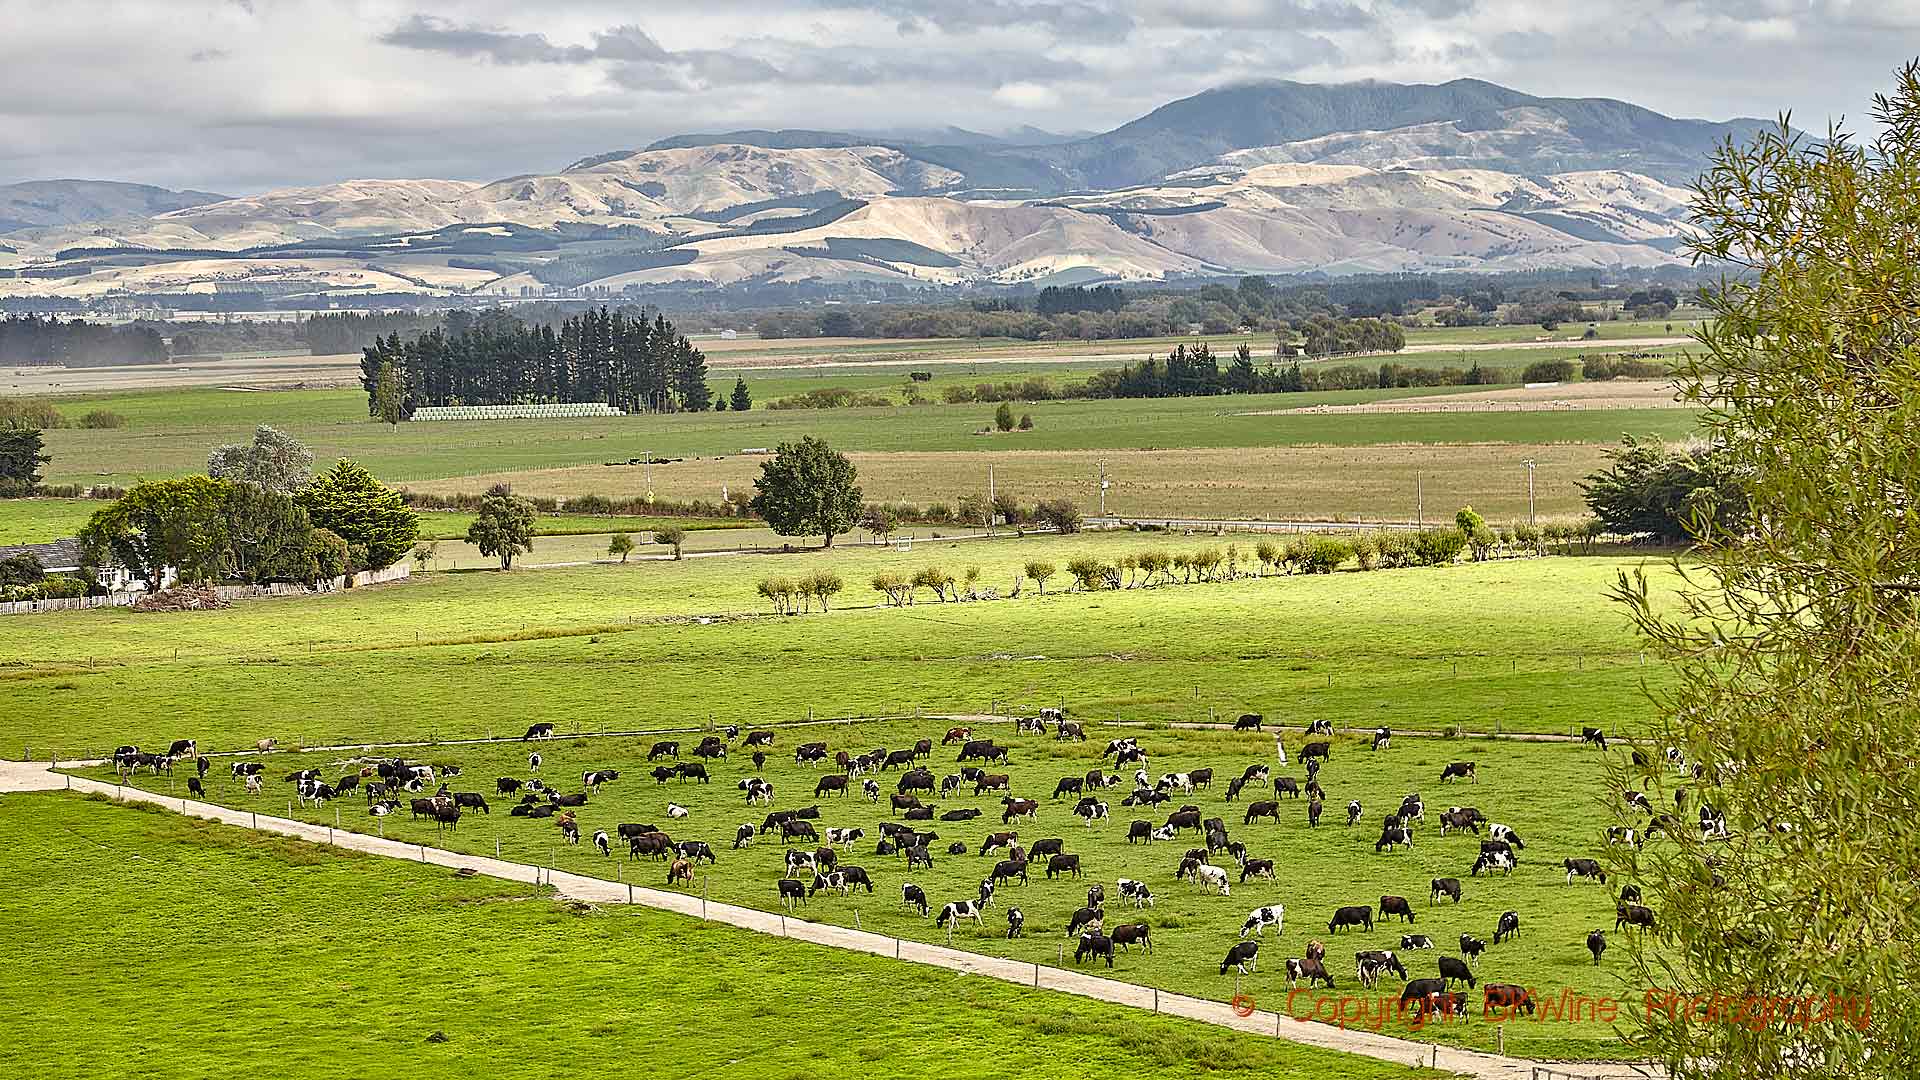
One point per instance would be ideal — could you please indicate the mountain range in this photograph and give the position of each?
(1272, 177)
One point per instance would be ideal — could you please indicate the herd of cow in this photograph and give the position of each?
(908, 834)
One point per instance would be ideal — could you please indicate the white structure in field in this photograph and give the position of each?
(569, 411)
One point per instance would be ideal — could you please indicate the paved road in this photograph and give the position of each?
(19, 776)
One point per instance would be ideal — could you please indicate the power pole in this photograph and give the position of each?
(1529, 464)
(1419, 503)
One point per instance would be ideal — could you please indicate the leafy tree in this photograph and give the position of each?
(1003, 417)
(1794, 649)
(975, 509)
(1040, 571)
(779, 592)
(1650, 489)
(1468, 521)
(742, 400)
(825, 585)
(1325, 554)
(268, 536)
(20, 460)
(504, 526)
(808, 488)
(1059, 514)
(180, 523)
(673, 536)
(935, 578)
(330, 554)
(880, 520)
(1438, 547)
(424, 554)
(21, 570)
(274, 460)
(1087, 573)
(389, 397)
(1026, 421)
(347, 501)
(897, 589)
(620, 544)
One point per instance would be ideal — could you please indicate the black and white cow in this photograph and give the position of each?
(1459, 770)
(1243, 956)
(1309, 970)
(1092, 812)
(1500, 832)
(1491, 861)
(1273, 915)
(1415, 942)
(1136, 891)
(1016, 922)
(1509, 926)
(914, 897)
(959, 909)
(1586, 868)
(1443, 886)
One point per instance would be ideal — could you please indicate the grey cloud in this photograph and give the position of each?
(429, 34)
(203, 56)
(1072, 18)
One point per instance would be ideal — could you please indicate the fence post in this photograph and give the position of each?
(1156, 993)
(629, 894)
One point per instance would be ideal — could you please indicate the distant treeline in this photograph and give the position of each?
(33, 339)
(493, 358)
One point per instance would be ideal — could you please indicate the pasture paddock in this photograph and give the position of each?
(1551, 794)
(1523, 645)
(298, 939)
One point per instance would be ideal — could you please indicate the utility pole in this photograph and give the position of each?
(1529, 464)
(1419, 503)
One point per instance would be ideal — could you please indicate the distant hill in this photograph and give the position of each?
(40, 203)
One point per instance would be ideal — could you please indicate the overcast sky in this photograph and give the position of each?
(242, 95)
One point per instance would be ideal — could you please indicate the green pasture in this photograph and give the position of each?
(1518, 645)
(1552, 795)
(314, 956)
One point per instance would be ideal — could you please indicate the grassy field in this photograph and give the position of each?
(1551, 795)
(294, 947)
(1521, 645)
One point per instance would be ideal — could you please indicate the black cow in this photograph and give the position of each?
(898, 757)
(1422, 991)
(1632, 915)
(1509, 926)
(1243, 956)
(1317, 750)
(1249, 722)
(1133, 934)
(1459, 770)
(1063, 864)
(1593, 736)
(1141, 831)
(1049, 846)
(1007, 870)
(914, 897)
(899, 802)
(538, 731)
(1454, 969)
(193, 785)
(692, 770)
(1587, 868)
(1069, 785)
(664, 749)
(1357, 915)
(1184, 819)
(793, 892)
(1395, 905)
(1313, 813)
(1096, 945)
(1287, 786)
(1508, 998)
(472, 800)
(1597, 944)
(1630, 893)
(506, 785)
(1443, 886)
(919, 813)
(797, 830)
(833, 782)
(965, 813)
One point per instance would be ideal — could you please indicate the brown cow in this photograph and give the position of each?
(993, 782)
(680, 870)
(1027, 808)
(957, 734)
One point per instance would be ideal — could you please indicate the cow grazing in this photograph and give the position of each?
(914, 897)
(1133, 934)
(1505, 835)
(1459, 770)
(958, 734)
(1137, 892)
(183, 748)
(1471, 947)
(1630, 894)
(793, 892)
(692, 770)
(998, 840)
(1392, 836)
(898, 802)
(1026, 808)
(242, 769)
(1593, 736)
(1454, 969)
(1242, 956)
(832, 783)
(992, 782)
(1586, 868)
(1508, 926)
(194, 788)
(1323, 750)
(1063, 864)
(1016, 922)
(1356, 915)
(1249, 722)
(760, 738)
(1632, 915)
(1395, 905)
(1382, 738)
(1491, 861)
(472, 800)
(1308, 970)
(1273, 915)
(537, 731)
(1211, 878)
(796, 829)
(1256, 868)
(1507, 999)
(1266, 808)
(1286, 786)
(959, 909)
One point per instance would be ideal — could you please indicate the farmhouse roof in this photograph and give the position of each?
(62, 554)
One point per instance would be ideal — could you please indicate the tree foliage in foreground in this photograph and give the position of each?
(1796, 642)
